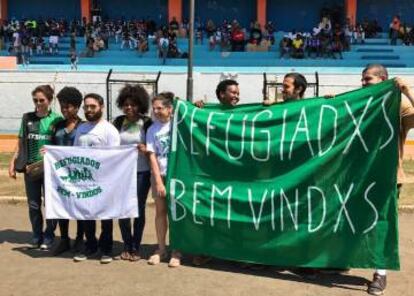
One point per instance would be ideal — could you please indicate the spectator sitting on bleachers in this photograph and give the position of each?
(90, 52)
(39, 45)
(284, 47)
(371, 28)
(237, 38)
(142, 44)
(184, 29)
(199, 35)
(326, 46)
(298, 45)
(126, 38)
(173, 51)
(210, 29)
(118, 33)
(255, 34)
(99, 44)
(213, 40)
(174, 26)
(348, 31)
(337, 46)
(269, 32)
(358, 35)
(313, 46)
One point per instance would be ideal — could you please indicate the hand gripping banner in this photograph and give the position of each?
(90, 183)
(309, 183)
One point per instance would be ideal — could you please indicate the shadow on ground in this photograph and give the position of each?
(344, 281)
(23, 238)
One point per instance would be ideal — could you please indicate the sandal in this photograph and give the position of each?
(175, 260)
(125, 255)
(134, 256)
(157, 257)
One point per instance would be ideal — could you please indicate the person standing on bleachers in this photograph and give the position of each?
(163, 46)
(395, 29)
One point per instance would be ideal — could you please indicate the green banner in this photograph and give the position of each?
(309, 183)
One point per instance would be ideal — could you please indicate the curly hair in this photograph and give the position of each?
(70, 95)
(137, 94)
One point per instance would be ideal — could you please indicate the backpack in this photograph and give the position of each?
(120, 119)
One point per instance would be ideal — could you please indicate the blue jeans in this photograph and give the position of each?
(105, 239)
(34, 190)
(132, 241)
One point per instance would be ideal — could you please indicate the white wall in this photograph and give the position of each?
(16, 87)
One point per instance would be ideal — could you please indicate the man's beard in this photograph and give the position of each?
(94, 117)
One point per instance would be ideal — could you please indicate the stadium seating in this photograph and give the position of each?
(375, 50)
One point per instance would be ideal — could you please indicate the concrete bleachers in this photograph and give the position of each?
(376, 50)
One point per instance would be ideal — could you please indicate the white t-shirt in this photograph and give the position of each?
(16, 37)
(158, 142)
(133, 133)
(97, 134)
(164, 43)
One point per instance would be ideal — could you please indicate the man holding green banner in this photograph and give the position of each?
(374, 74)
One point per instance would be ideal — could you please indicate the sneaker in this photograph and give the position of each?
(157, 257)
(106, 258)
(78, 245)
(64, 245)
(84, 255)
(34, 245)
(175, 260)
(378, 284)
(46, 245)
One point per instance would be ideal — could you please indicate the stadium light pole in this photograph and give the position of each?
(190, 93)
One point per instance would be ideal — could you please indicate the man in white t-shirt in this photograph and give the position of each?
(96, 132)
(163, 45)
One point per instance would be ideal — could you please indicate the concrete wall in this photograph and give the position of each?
(66, 9)
(16, 87)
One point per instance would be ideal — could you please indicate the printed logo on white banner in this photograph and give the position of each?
(78, 173)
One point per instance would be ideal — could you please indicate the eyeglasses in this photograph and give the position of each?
(36, 100)
(92, 107)
(158, 108)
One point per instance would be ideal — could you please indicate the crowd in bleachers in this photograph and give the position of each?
(328, 39)
(29, 37)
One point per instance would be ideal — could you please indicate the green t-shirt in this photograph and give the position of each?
(38, 131)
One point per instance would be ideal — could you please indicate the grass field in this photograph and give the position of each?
(9, 187)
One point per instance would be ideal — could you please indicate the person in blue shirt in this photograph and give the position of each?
(70, 100)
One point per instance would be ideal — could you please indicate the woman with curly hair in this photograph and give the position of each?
(134, 101)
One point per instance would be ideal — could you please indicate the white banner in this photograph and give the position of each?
(91, 183)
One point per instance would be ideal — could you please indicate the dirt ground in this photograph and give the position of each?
(33, 272)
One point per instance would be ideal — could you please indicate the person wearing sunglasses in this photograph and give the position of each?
(36, 130)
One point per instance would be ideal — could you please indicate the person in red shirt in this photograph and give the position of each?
(237, 39)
